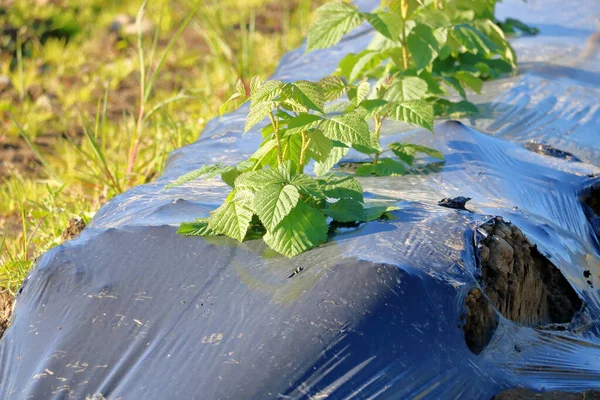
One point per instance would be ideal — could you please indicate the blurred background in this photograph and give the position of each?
(94, 94)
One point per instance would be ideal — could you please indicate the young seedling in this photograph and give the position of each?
(271, 195)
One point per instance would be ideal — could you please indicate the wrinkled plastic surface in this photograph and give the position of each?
(130, 310)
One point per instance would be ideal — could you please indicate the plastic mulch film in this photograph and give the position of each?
(396, 308)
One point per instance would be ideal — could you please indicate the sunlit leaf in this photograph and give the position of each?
(333, 20)
(302, 229)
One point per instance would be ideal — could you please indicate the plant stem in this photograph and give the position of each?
(378, 123)
(275, 124)
(305, 143)
(404, 15)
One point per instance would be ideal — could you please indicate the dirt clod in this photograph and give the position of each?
(76, 225)
(457, 203)
(522, 284)
(481, 321)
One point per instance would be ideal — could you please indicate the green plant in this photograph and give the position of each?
(444, 44)
(271, 196)
(420, 50)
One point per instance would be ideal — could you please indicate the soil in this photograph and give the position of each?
(481, 321)
(6, 306)
(524, 394)
(18, 155)
(590, 201)
(75, 227)
(519, 282)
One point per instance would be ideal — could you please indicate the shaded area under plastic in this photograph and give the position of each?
(130, 310)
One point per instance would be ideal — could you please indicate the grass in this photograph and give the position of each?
(92, 111)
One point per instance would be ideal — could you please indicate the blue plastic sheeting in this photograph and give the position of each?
(130, 310)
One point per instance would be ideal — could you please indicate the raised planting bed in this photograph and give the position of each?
(429, 301)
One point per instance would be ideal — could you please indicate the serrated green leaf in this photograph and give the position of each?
(274, 202)
(348, 128)
(293, 106)
(288, 169)
(416, 112)
(343, 188)
(355, 66)
(231, 219)
(406, 88)
(303, 229)
(362, 90)
(373, 147)
(381, 43)
(205, 172)
(336, 154)
(496, 36)
(388, 24)
(423, 45)
(292, 147)
(389, 167)
(308, 185)
(455, 84)
(257, 113)
(434, 88)
(235, 101)
(376, 211)
(433, 18)
(469, 80)
(455, 110)
(373, 106)
(393, 5)
(229, 176)
(473, 40)
(333, 20)
(266, 92)
(366, 169)
(198, 227)
(319, 146)
(305, 93)
(266, 154)
(255, 83)
(346, 210)
(338, 107)
(255, 180)
(406, 151)
(302, 123)
(332, 87)
(240, 87)
(243, 196)
(511, 26)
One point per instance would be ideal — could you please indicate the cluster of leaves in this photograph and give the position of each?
(421, 49)
(392, 98)
(271, 196)
(443, 44)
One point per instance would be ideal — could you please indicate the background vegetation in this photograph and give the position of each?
(92, 99)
